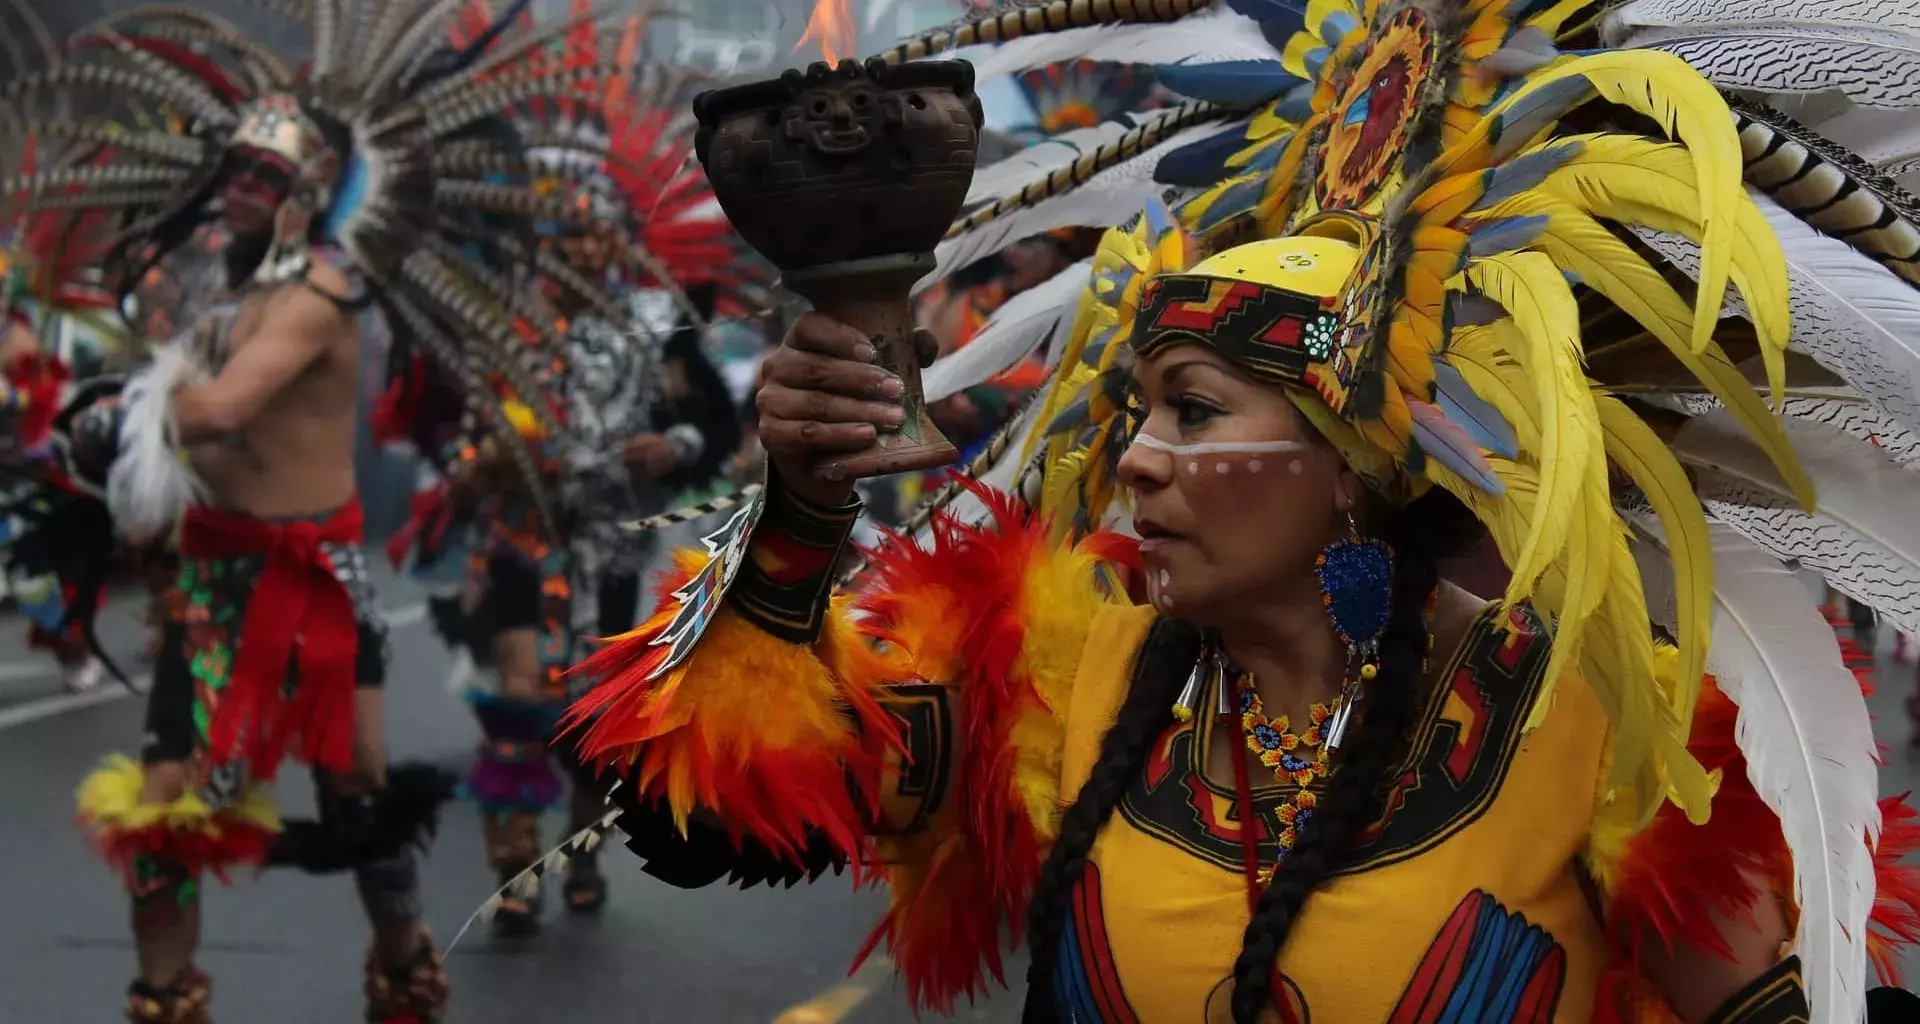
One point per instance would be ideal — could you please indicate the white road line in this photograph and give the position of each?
(111, 690)
(405, 615)
(15, 671)
(59, 704)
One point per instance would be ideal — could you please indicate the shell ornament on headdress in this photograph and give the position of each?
(1572, 262)
(427, 198)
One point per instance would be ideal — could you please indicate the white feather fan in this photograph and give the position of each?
(1838, 408)
(1207, 38)
(1109, 198)
(1010, 334)
(1868, 49)
(1849, 313)
(1863, 538)
(1808, 742)
(1860, 420)
(1041, 159)
(149, 487)
(1856, 485)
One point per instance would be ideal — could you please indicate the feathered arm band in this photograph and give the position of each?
(150, 484)
(726, 701)
(796, 729)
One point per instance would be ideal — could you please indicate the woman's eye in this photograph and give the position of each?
(1192, 412)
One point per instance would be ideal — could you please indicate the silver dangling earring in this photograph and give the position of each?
(1205, 667)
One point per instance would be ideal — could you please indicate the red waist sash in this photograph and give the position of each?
(300, 615)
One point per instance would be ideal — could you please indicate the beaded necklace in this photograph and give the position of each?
(1296, 759)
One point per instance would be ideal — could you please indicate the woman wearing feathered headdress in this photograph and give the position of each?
(1410, 293)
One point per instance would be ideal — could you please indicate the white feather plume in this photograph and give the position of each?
(1037, 161)
(1809, 746)
(1856, 485)
(1887, 139)
(1849, 313)
(1861, 420)
(1869, 49)
(1849, 562)
(1838, 408)
(1010, 334)
(1207, 38)
(1106, 199)
(1863, 539)
(877, 9)
(149, 487)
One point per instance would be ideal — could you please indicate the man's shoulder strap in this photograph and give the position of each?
(358, 295)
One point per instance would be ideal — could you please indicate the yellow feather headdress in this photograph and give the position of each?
(1437, 337)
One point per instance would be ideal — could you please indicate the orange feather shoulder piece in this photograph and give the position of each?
(999, 613)
(762, 733)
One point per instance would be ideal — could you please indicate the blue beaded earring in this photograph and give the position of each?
(1356, 585)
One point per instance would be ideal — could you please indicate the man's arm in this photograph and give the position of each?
(19, 340)
(296, 330)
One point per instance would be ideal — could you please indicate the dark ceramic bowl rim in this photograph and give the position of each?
(715, 105)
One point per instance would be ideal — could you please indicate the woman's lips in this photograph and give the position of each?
(1155, 538)
(1159, 545)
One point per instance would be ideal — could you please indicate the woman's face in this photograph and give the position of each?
(1234, 496)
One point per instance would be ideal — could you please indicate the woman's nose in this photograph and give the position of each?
(1144, 469)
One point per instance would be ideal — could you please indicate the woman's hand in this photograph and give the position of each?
(822, 397)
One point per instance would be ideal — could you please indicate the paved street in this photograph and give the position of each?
(286, 949)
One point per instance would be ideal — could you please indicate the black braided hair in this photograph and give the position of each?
(1163, 665)
(1422, 533)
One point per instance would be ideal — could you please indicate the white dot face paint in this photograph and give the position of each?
(1295, 467)
(1204, 474)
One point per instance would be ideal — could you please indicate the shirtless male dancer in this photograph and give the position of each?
(273, 648)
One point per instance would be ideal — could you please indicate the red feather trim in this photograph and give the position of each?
(1895, 922)
(1674, 876)
(776, 767)
(400, 404)
(40, 378)
(954, 612)
(236, 843)
(974, 890)
(431, 514)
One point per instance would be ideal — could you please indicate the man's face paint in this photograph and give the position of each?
(258, 184)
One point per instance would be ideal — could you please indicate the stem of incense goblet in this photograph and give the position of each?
(873, 296)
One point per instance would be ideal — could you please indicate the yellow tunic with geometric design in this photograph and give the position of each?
(989, 670)
(1463, 906)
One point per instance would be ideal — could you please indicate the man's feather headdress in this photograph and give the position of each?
(423, 181)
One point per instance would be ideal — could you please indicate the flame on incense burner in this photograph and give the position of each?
(830, 25)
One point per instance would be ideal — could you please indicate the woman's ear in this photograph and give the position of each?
(1347, 491)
